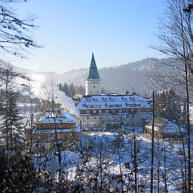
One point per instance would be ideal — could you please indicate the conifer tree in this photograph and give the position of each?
(66, 89)
(71, 90)
(11, 121)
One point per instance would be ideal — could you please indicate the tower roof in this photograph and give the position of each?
(93, 71)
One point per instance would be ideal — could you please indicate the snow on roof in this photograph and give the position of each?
(56, 116)
(56, 120)
(113, 102)
(165, 126)
(172, 127)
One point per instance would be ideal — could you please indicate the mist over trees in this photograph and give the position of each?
(132, 77)
(16, 170)
(71, 90)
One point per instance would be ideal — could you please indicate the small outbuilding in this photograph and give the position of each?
(55, 126)
(164, 128)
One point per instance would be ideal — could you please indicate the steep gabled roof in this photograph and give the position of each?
(93, 71)
(56, 116)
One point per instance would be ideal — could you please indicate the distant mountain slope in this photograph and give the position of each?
(131, 76)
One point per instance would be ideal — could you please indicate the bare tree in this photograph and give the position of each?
(14, 31)
(177, 42)
(135, 162)
(152, 150)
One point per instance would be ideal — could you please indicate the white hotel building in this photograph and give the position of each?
(111, 110)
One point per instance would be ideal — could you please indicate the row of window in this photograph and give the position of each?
(137, 117)
(134, 123)
(94, 82)
(109, 99)
(113, 111)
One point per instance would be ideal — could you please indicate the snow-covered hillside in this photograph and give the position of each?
(42, 85)
(131, 76)
(114, 155)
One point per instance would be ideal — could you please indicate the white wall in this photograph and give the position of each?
(93, 87)
(130, 119)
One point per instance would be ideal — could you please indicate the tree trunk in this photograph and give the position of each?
(135, 163)
(152, 148)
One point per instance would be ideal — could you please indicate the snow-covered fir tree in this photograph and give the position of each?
(11, 121)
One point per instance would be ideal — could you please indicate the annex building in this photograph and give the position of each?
(111, 110)
(54, 126)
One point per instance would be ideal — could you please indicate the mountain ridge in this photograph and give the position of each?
(132, 76)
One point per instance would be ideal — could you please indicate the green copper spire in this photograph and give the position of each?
(93, 71)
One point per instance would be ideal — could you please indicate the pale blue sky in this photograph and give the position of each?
(117, 31)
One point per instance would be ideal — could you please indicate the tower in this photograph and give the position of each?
(93, 80)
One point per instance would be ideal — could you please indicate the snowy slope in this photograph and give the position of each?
(42, 85)
(130, 76)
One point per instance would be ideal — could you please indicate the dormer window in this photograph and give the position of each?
(132, 98)
(124, 99)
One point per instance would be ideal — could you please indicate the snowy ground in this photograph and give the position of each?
(118, 152)
(125, 154)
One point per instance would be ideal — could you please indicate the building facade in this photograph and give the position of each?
(55, 126)
(98, 110)
(113, 110)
